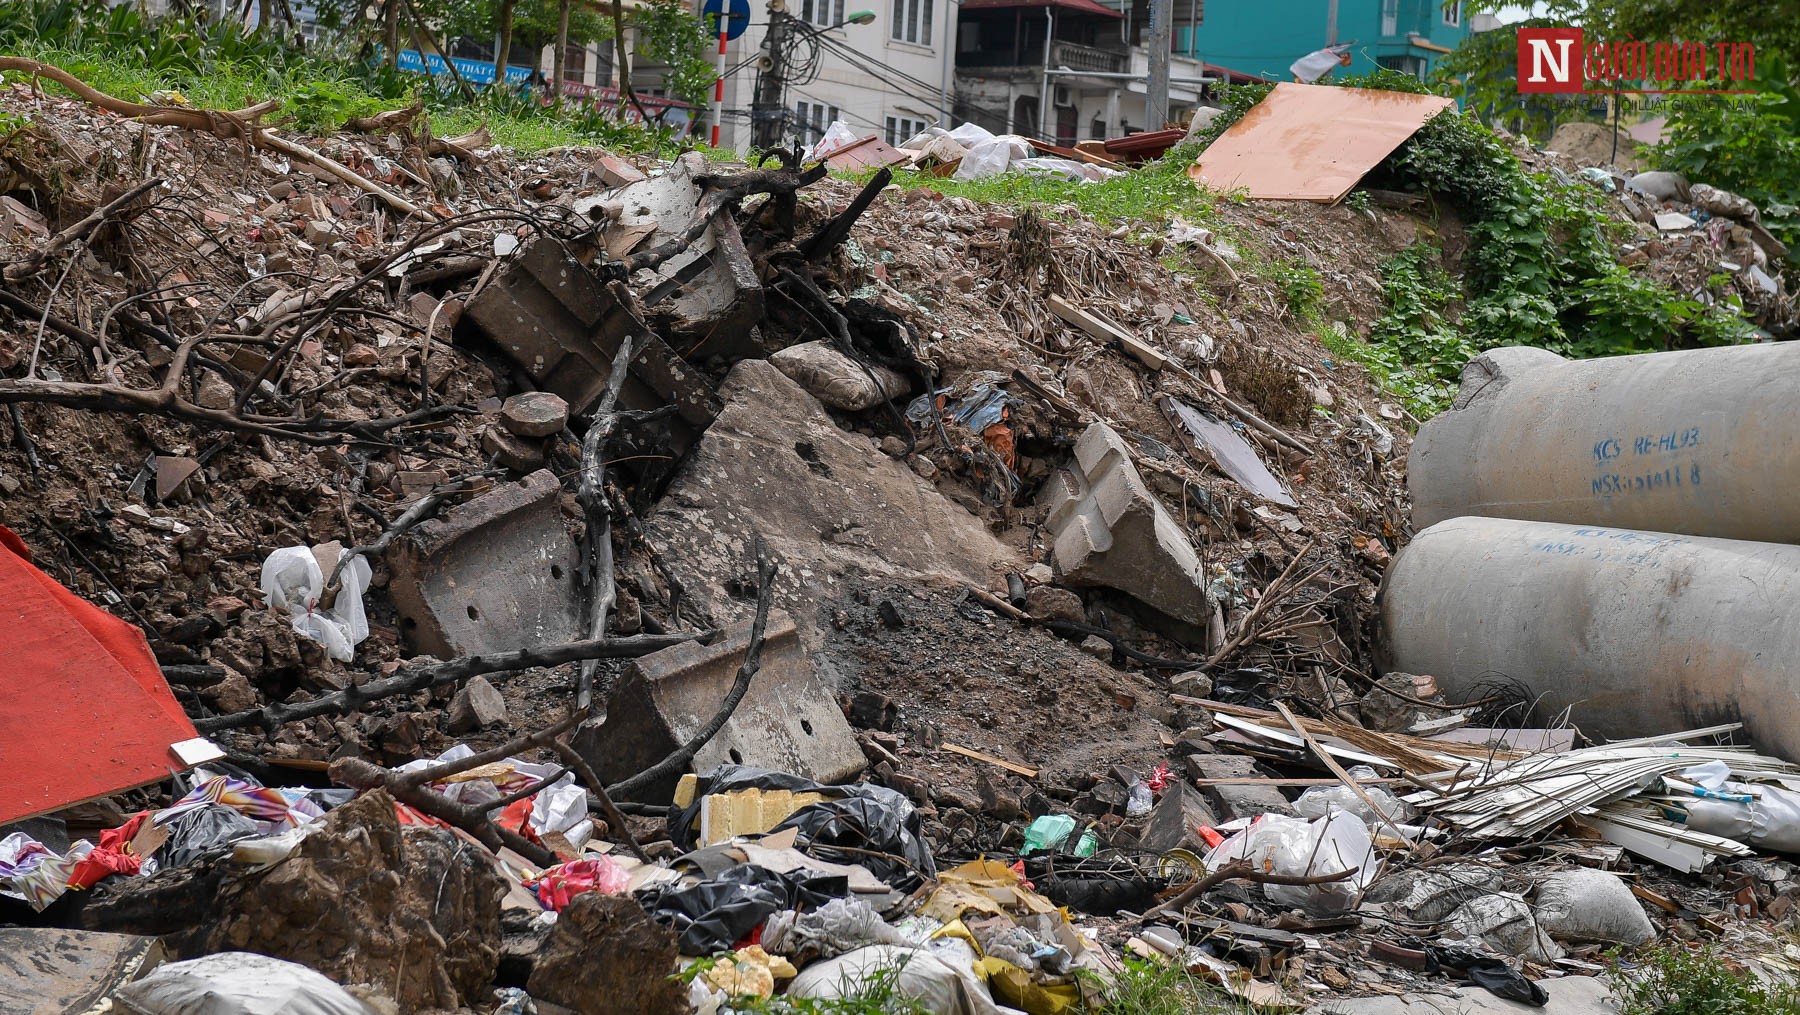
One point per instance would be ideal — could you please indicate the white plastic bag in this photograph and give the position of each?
(1277, 844)
(922, 976)
(291, 580)
(1322, 800)
(837, 137)
(991, 157)
(238, 983)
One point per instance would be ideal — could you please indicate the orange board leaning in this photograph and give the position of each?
(84, 709)
(1312, 142)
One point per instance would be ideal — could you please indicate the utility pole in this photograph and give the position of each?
(1331, 23)
(1156, 95)
(769, 111)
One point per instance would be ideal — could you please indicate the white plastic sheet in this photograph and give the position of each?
(238, 983)
(1760, 816)
(291, 580)
(939, 987)
(1277, 844)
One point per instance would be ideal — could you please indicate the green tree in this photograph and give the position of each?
(672, 34)
(1483, 72)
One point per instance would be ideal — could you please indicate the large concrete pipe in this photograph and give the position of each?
(1703, 442)
(1641, 632)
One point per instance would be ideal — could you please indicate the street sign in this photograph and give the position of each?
(736, 15)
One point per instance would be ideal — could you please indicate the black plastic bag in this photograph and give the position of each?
(1491, 972)
(867, 818)
(195, 833)
(714, 915)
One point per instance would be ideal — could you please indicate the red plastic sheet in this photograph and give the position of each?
(84, 710)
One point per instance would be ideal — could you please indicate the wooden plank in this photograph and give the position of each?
(1099, 327)
(1024, 770)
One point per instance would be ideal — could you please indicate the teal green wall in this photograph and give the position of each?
(1264, 37)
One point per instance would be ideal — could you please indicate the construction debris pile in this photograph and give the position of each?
(577, 583)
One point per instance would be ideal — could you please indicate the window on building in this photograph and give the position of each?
(825, 13)
(901, 129)
(1390, 18)
(811, 119)
(1453, 13)
(1413, 65)
(911, 21)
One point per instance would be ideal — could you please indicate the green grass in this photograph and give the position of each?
(1146, 988)
(127, 55)
(1153, 193)
(1674, 981)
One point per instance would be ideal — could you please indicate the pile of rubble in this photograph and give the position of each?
(572, 571)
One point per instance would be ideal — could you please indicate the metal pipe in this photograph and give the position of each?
(1637, 632)
(1044, 96)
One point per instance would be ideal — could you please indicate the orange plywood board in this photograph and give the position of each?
(1312, 142)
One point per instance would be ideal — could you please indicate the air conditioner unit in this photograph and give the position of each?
(1062, 96)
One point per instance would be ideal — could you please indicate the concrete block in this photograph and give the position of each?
(787, 721)
(43, 969)
(1233, 802)
(477, 706)
(494, 574)
(1173, 822)
(1108, 529)
(562, 326)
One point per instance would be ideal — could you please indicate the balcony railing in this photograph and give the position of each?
(1074, 56)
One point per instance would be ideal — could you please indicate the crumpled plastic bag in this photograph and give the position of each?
(869, 818)
(837, 137)
(836, 379)
(917, 974)
(1277, 844)
(291, 580)
(839, 926)
(238, 983)
(1505, 923)
(716, 914)
(1762, 817)
(195, 832)
(991, 157)
(1322, 800)
(1488, 971)
(35, 873)
(558, 886)
(1591, 905)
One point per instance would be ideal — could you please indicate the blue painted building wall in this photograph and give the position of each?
(1265, 37)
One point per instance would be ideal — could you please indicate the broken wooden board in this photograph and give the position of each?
(1215, 441)
(1098, 326)
(1024, 770)
(1312, 142)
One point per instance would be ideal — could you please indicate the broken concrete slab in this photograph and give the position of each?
(711, 287)
(834, 511)
(1174, 822)
(494, 574)
(787, 720)
(44, 969)
(562, 326)
(1240, 801)
(1108, 529)
(1569, 995)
